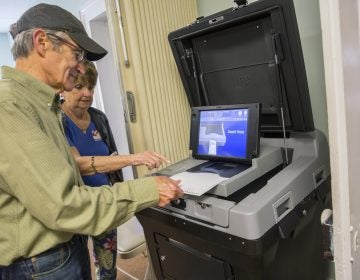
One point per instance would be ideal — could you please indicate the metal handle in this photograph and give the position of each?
(131, 106)
(122, 34)
(328, 232)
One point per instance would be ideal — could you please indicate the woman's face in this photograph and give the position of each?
(81, 97)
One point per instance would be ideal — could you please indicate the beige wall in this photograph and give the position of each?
(208, 7)
(163, 112)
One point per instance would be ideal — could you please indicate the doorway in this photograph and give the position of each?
(109, 91)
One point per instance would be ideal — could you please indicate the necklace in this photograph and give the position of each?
(81, 122)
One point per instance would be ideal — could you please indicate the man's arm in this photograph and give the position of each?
(41, 175)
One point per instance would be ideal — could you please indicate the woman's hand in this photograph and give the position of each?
(150, 159)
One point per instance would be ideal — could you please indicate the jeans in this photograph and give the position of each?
(68, 261)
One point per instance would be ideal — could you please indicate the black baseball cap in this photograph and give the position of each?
(55, 18)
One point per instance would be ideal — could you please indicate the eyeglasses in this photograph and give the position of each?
(78, 52)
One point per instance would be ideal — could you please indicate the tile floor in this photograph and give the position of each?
(131, 269)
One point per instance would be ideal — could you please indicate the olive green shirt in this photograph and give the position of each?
(43, 201)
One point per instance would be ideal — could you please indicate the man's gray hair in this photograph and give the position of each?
(23, 42)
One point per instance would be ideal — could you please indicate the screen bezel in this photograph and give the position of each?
(252, 141)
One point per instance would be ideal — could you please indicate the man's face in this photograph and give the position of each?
(62, 66)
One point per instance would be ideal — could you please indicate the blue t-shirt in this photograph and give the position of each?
(88, 143)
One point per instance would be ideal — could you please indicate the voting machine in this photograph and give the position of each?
(244, 77)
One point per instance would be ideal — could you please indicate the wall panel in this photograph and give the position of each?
(163, 111)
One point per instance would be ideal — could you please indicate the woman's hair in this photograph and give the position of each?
(90, 77)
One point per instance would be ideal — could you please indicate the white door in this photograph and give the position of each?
(108, 94)
(340, 29)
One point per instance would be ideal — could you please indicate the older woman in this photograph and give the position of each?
(93, 146)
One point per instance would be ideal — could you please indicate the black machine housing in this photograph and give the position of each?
(248, 54)
(245, 55)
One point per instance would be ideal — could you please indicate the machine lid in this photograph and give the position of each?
(247, 54)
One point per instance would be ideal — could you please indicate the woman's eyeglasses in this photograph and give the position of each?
(78, 52)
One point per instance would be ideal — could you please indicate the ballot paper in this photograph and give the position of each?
(198, 183)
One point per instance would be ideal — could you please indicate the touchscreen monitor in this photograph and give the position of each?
(227, 133)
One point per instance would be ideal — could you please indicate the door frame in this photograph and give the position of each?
(341, 46)
(95, 17)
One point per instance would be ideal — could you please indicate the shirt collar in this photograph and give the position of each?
(44, 92)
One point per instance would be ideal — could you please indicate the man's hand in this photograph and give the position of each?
(168, 190)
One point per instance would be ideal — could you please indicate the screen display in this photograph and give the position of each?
(228, 133)
(223, 133)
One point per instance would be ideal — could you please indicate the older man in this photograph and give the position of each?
(43, 202)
